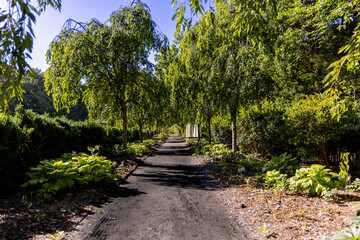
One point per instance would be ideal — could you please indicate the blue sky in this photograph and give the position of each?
(50, 22)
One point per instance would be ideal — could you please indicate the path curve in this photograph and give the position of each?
(169, 198)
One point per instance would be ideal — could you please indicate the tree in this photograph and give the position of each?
(36, 98)
(107, 59)
(16, 42)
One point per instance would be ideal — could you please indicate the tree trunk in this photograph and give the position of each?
(157, 128)
(324, 155)
(233, 130)
(209, 129)
(140, 132)
(125, 125)
(199, 132)
(149, 132)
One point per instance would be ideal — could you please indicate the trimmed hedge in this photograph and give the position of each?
(28, 138)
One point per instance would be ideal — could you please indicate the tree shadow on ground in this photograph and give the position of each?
(23, 220)
(182, 176)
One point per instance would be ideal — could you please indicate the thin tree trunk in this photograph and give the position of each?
(149, 132)
(199, 132)
(125, 125)
(157, 128)
(209, 129)
(233, 130)
(324, 155)
(140, 132)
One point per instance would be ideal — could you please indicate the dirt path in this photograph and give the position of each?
(169, 198)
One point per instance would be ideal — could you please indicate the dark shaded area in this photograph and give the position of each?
(23, 220)
(183, 176)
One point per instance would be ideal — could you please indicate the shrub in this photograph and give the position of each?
(13, 141)
(275, 179)
(27, 138)
(198, 146)
(137, 149)
(316, 179)
(52, 176)
(150, 143)
(285, 163)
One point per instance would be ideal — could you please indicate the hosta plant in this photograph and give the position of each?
(275, 179)
(52, 176)
(316, 179)
(285, 163)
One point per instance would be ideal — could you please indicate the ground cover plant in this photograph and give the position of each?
(57, 175)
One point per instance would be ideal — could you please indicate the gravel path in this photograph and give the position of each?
(169, 198)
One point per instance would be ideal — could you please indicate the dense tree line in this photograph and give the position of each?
(272, 76)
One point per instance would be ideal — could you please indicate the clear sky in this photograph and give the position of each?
(50, 22)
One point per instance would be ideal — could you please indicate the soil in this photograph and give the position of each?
(278, 214)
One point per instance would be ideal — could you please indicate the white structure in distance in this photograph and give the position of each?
(192, 131)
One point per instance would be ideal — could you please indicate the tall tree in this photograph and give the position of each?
(106, 58)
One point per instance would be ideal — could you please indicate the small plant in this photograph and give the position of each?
(344, 175)
(58, 236)
(316, 179)
(285, 163)
(354, 186)
(137, 149)
(275, 179)
(150, 143)
(265, 231)
(55, 175)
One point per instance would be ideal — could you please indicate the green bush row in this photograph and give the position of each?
(27, 138)
(305, 127)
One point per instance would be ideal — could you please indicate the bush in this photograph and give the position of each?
(162, 136)
(150, 143)
(275, 179)
(13, 141)
(137, 149)
(316, 179)
(285, 163)
(53, 176)
(27, 138)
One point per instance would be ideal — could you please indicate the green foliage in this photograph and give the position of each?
(36, 99)
(354, 186)
(13, 140)
(275, 179)
(137, 149)
(16, 42)
(27, 138)
(316, 179)
(150, 143)
(111, 56)
(344, 175)
(285, 163)
(56, 175)
(162, 136)
(217, 152)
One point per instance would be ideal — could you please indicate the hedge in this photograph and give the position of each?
(27, 138)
